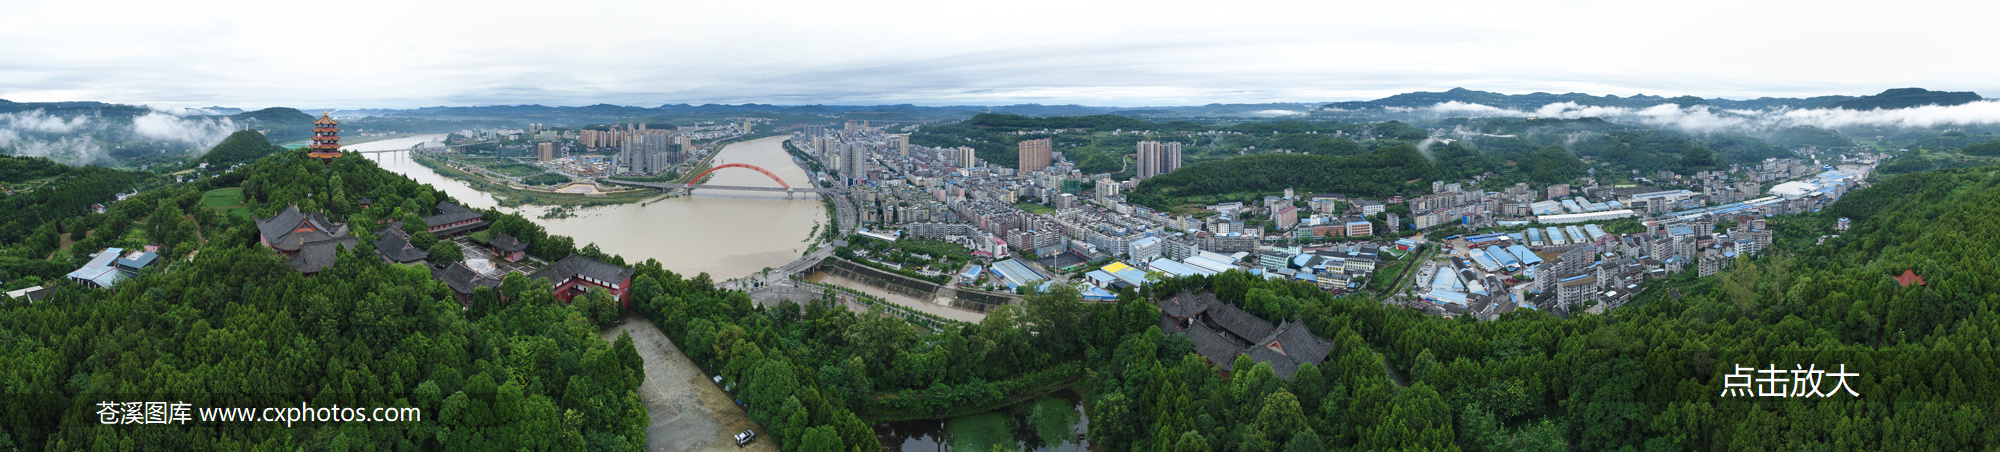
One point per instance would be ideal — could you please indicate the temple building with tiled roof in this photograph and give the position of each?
(509, 248)
(1221, 331)
(463, 280)
(453, 219)
(576, 274)
(309, 241)
(394, 246)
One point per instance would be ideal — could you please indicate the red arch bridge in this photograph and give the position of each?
(782, 186)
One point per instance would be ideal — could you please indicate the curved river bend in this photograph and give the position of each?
(726, 234)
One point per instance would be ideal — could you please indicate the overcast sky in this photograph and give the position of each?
(403, 54)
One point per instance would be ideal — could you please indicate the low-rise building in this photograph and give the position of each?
(309, 241)
(576, 274)
(393, 245)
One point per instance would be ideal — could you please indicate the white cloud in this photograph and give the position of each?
(1706, 119)
(202, 132)
(37, 121)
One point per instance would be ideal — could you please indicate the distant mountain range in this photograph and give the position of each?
(1894, 98)
(1890, 99)
(580, 115)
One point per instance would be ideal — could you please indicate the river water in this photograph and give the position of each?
(726, 234)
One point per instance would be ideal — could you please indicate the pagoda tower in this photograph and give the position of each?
(326, 139)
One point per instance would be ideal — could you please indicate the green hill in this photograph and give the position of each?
(244, 146)
(281, 124)
(1908, 97)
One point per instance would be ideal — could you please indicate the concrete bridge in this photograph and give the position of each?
(668, 186)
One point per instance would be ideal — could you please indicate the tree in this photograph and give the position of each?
(597, 305)
(821, 439)
(446, 251)
(1057, 314)
(1604, 407)
(1279, 420)
(1305, 441)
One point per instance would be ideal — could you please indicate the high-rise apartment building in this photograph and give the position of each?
(1035, 154)
(545, 151)
(647, 154)
(1156, 158)
(854, 161)
(964, 157)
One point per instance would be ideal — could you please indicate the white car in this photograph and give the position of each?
(745, 438)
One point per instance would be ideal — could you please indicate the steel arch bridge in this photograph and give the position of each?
(774, 177)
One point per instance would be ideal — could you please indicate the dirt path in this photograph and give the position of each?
(684, 409)
(1394, 376)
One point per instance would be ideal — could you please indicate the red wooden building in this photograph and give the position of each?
(576, 274)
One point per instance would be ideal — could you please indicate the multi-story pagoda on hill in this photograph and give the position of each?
(325, 140)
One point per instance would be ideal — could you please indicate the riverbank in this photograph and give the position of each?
(510, 196)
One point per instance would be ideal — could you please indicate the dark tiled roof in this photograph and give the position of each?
(394, 244)
(444, 207)
(316, 256)
(1294, 344)
(279, 225)
(1188, 305)
(1238, 322)
(507, 243)
(462, 279)
(577, 264)
(1210, 344)
(280, 229)
(450, 217)
(446, 232)
(1281, 365)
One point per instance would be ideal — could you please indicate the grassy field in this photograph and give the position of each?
(510, 196)
(227, 200)
(514, 169)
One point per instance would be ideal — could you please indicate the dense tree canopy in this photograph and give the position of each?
(235, 326)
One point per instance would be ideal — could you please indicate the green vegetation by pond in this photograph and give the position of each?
(546, 179)
(981, 432)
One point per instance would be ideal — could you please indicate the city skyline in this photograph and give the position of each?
(863, 53)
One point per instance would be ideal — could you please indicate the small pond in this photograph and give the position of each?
(1053, 423)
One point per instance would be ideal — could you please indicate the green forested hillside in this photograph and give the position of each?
(1906, 98)
(1647, 377)
(241, 147)
(232, 325)
(280, 123)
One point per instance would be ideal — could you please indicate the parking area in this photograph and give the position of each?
(685, 410)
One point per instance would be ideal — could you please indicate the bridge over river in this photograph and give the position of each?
(670, 186)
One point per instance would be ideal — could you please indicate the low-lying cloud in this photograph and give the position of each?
(79, 139)
(38, 121)
(202, 132)
(1708, 119)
